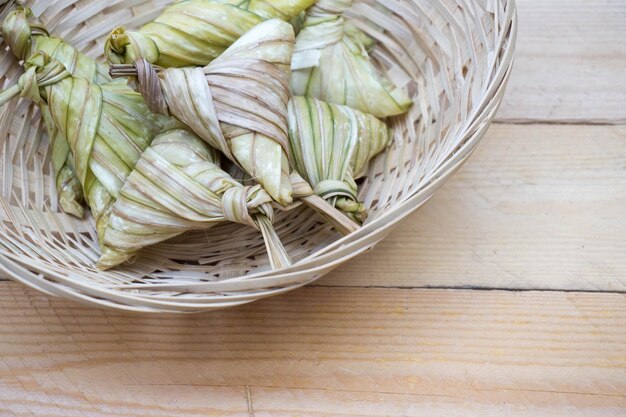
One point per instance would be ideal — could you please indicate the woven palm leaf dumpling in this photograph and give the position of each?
(141, 189)
(331, 63)
(240, 96)
(239, 103)
(25, 34)
(335, 133)
(332, 145)
(179, 184)
(195, 32)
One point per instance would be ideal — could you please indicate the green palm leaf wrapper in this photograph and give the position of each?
(139, 193)
(195, 32)
(178, 186)
(25, 34)
(331, 63)
(238, 104)
(332, 145)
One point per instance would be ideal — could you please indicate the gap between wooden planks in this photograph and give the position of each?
(321, 351)
(537, 207)
(570, 63)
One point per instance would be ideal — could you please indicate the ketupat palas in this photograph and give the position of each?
(25, 34)
(126, 180)
(178, 186)
(331, 63)
(195, 32)
(237, 103)
(332, 145)
(106, 131)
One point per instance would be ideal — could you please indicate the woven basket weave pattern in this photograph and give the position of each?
(455, 57)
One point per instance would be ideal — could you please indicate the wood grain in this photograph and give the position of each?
(321, 352)
(484, 403)
(537, 206)
(570, 63)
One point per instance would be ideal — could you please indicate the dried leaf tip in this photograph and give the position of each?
(124, 46)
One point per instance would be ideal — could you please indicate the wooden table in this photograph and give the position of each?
(503, 296)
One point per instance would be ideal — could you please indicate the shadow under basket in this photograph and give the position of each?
(455, 58)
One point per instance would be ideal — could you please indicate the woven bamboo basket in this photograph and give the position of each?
(455, 57)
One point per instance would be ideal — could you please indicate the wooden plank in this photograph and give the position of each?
(321, 351)
(536, 207)
(271, 402)
(570, 63)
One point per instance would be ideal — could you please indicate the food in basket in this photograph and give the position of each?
(331, 63)
(138, 195)
(238, 104)
(147, 178)
(106, 130)
(195, 32)
(332, 145)
(178, 186)
(25, 35)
